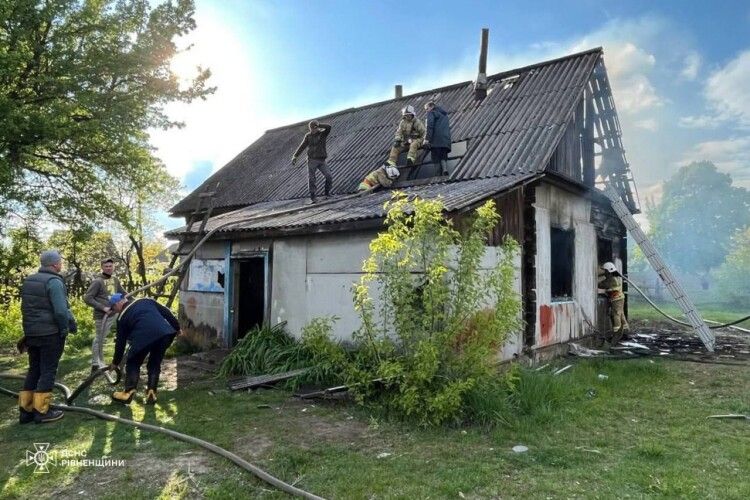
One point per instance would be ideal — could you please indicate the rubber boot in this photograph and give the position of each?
(153, 382)
(42, 411)
(125, 396)
(26, 407)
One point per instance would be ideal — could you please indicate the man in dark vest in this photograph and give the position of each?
(149, 328)
(46, 322)
(315, 142)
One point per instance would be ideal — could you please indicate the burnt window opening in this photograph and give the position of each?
(603, 250)
(562, 257)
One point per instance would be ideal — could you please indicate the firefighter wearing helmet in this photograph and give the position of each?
(409, 137)
(610, 284)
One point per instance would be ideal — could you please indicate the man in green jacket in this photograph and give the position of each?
(315, 142)
(409, 137)
(46, 322)
(97, 296)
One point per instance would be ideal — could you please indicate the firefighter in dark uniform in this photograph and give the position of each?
(149, 328)
(46, 322)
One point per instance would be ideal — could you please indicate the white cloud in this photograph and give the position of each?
(692, 65)
(729, 155)
(699, 121)
(728, 91)
(647, 124)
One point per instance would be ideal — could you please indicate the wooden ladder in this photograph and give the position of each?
(183, 244)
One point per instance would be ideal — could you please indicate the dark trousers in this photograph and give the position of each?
(155, 352)
(312, 166)
(44, 356)
(439, 154)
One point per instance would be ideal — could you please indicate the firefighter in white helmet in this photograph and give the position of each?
(610, 284)
(409, 136)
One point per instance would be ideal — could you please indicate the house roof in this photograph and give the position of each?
(298, 214)
(512, 131)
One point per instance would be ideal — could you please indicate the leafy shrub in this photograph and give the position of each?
(11, 326)
(434, 334)
(265, 350)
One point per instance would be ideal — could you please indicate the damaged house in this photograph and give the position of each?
(539, 140)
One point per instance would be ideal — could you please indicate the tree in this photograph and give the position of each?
(699, 212)
(733, 276)
(81, 83)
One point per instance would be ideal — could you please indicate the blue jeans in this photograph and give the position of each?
(44, 356)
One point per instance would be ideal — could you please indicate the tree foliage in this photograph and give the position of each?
(81, 83)
(433, 319)
(699, 212)
(733, 276)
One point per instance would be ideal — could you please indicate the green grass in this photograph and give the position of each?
(642, 432)
(716, 311)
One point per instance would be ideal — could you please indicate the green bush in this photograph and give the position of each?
(434, 334)
(11, 327)
(267, 350)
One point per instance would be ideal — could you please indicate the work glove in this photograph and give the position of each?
(397, 143)
(21, 345)
(294, 160)
(426, 145)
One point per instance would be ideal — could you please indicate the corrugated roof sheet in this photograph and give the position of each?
(514, 130)
(296, 214)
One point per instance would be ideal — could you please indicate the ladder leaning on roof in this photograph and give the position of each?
(661, 268)
(617, 181)
(182, 245)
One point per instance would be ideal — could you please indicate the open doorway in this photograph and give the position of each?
(250, 295)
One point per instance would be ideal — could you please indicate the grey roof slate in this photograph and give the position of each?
(298, 214)
(514, 130)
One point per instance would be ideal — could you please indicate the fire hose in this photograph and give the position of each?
(675, 320)
(70, 397)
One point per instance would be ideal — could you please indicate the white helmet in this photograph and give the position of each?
(609, 267)
(408, 110)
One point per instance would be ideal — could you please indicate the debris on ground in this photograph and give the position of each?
(602, 376)
(732, 416)
(519, 448)
(261, 380)
(561, 370)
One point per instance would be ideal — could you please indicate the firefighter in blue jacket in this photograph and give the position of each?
(149, 328)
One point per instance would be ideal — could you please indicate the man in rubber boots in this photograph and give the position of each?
(315, 142)
(438, 136)
(610, 283)
(46, 322)
(149, 328)
(409, 136)
(97, 296)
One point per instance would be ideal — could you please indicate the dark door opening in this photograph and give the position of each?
(562, 261)
(250, 293)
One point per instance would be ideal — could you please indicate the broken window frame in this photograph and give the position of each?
(562, 246)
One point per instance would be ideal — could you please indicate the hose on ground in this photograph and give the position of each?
(675, 320)
(239, 461)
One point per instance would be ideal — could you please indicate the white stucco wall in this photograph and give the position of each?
(561, 321)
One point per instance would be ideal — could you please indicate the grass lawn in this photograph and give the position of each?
(715, 311)
(642, 432)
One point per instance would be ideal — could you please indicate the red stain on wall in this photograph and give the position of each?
(192, 304)
(546, 323)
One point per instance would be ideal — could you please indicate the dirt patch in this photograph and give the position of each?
(184, 370)
(141, 473)
(665, 339)
(252, 446)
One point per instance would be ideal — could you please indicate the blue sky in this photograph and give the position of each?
(680, 70)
